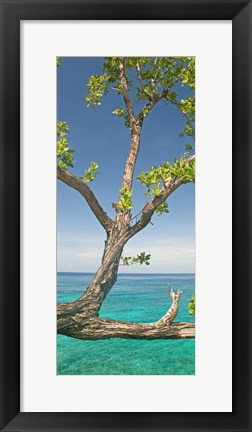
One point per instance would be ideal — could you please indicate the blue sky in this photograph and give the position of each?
(98, 135)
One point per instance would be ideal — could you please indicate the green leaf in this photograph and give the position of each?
(125, 203)
(90, 174)
(141, 258)
(162, 208)
(97, 87)
(59, 61)
(64, 154)
(156, 176)
(192, 306)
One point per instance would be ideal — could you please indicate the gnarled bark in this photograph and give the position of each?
(78, 324)
(103, 328)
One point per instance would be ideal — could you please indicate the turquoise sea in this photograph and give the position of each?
(135, 297)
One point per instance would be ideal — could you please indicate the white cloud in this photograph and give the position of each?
(167, 255)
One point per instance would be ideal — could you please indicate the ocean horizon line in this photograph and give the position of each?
(129, 273)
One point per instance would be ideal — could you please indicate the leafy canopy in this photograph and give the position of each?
(155, 178)
(150, 79)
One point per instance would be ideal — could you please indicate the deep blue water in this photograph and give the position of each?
(135, 297)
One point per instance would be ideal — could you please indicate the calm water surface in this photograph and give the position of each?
(135, 297)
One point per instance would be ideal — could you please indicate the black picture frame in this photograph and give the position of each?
(12, 12)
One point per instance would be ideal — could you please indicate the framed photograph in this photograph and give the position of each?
(125, 198)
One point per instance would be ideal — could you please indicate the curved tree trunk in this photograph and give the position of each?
(80, 318)
(89, 304)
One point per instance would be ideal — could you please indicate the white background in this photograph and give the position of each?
(210, 388)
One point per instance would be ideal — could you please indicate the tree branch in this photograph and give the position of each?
(77, 323)
(139, 75)
(173, 311)
(169, 187)
(74, 182)
(167, 88)
(125, 93)
(135, 131)
(104, 328)
(154, 99)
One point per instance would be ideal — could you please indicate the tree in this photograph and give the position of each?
(141, 82)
